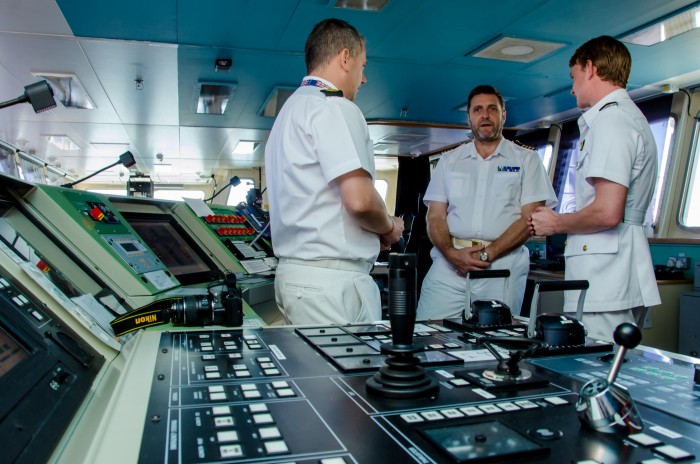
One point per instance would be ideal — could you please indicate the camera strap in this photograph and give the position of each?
(155, 313)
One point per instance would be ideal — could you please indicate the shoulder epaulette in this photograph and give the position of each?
(528, 147)
(611, 104)
(332, 92)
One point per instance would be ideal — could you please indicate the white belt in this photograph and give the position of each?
(340, 264)
(634, 216)
(469, 242)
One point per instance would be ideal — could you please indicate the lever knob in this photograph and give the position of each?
(627, 335)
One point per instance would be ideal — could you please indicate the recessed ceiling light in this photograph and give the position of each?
(213, 98)
(62, 142)
(516, 49)
(110, 148)
(273, 103)
(68, 90)
(665, 28)
(365, 5)
(245, 147)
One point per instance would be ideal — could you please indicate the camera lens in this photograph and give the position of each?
(191, 310)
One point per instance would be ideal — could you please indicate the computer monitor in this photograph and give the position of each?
(174, 247)
(555, 247)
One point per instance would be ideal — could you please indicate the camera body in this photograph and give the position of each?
(221, 305)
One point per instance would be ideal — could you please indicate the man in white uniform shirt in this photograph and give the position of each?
(615, 176)
(479, 198)
(328, 222)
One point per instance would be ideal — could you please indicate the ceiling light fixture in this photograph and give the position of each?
(364, 5)
(213, 98)
(68, 90)
(515, 49)
(664, 28)
(110, 148)
(273, 103)
(245, 147)
(62, 142)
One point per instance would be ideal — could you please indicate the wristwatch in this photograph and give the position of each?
(484, 256)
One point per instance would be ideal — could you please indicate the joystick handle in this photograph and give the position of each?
(627, 336)
(403, 278)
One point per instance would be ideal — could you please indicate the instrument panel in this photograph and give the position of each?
(271, 395)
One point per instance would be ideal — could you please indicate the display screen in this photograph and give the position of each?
(11, 353)
(482, 442)
(129, 247)
(174, 247)
(555, 246)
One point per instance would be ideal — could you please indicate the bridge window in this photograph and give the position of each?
(382, 186)
(662, 127)
(238, 193)
(690, 212)
(177, 195)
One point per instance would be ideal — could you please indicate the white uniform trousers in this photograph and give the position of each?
(443, 293)
(306, 294)
(601, 325)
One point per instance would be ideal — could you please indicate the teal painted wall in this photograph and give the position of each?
(660, 252)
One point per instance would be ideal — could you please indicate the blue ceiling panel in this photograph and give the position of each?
(150, 21)
(419, 59)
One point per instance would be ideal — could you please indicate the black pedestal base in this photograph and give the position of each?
(402, 376)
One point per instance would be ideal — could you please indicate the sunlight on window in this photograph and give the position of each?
(381, 186)
(177, 195)
(238, 193)
(545, 153)
(690, 216)
(111, 192)
(663, 135)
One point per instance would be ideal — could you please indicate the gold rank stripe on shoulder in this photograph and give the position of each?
(332, 92)
(519, 143)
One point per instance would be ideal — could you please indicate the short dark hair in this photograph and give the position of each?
(327, 39)
(609, 56)
(485, 90)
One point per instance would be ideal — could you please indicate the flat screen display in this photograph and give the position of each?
(172, 246)
(11, 353)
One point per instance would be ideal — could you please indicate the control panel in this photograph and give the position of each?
(244, 235)
(300, 395)
(46, 372)
(94, 230)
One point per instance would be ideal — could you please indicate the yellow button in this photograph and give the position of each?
(585, 248)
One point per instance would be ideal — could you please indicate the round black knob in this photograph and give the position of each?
(627, 335)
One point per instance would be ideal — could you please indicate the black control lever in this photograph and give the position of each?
(508, 368)
(402, 376)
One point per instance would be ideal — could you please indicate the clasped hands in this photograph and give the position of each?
(467, 259)
(542, 221)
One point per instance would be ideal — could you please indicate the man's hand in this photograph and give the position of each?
(466, 259)
(542, 221)
(394, 235)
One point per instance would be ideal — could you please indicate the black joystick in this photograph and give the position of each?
(608, 407)
(402, 376)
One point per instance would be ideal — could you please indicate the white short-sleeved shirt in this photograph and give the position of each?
(485, 196)
(315, 139)
(616, 144)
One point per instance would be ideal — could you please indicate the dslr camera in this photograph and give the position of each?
(221, 305)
